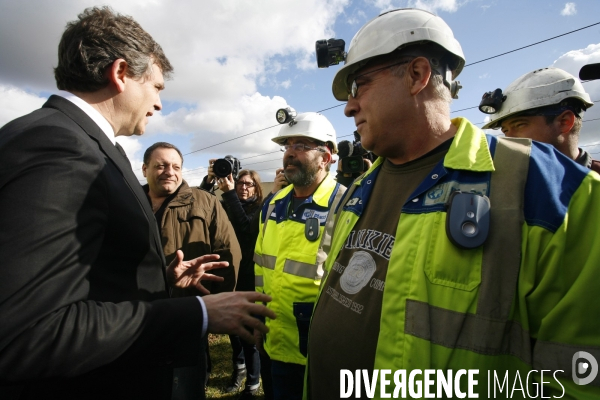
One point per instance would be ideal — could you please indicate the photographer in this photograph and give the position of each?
(243, 208)
(346, 178)
(353, 160)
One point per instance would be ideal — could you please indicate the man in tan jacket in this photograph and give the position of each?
(191, 220)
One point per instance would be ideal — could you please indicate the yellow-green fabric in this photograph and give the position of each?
(286, 267)
(555, 311)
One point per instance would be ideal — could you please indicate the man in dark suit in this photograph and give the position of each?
(84, 298)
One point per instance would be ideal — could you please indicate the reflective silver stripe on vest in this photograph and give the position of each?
(298, 268)
(265, 260)
(502, 249)
(558, 356)
(457, 330)
(489, 332)
(259, 281)
(291, 267)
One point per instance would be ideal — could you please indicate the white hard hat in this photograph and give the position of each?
(394, 30)
(540, 88)
(309, 125)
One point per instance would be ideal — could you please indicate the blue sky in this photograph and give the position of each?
(236, 62)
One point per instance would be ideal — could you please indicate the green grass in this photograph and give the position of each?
(220, 377)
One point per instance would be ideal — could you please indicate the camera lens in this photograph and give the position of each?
(322, 51)
(222, 168)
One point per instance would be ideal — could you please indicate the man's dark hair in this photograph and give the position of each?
(98, 38)
(160, 145)
(550, 113)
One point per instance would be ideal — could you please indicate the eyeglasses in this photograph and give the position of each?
(247, 184)
(354, 88)
(300, 147)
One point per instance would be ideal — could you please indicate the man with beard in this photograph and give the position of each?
(289, 253)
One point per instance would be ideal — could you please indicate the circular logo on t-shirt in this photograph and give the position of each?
(358, 273)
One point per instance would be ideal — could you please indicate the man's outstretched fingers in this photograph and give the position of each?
(214, 265)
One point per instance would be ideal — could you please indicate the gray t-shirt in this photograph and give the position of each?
(345, 324)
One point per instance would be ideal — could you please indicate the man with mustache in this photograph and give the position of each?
(288, 251)
(193, 221)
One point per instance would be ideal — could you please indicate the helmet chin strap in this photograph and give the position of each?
(446, 73)
(454, 86)
(442, 68)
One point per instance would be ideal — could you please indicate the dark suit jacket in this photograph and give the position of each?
(84, 308)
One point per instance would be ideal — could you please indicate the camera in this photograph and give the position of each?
(352, 156)
(330, 52)
(225, 166)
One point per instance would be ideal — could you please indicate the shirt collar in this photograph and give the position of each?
(469, 150)
(91, 112)
(584, 158)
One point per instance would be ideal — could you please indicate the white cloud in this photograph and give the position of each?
(570, 9)
(218, 60)
(484, 76)
(15, 102)
(222, 51)
(353, 21)
(429, 5)
(132, 147)
(358, 18)
(572, 62)
(242, 34)
(247, 114)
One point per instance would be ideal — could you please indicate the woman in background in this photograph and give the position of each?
(243, 208)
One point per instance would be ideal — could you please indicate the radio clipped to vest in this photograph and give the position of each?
(467, 219)
(311, 229)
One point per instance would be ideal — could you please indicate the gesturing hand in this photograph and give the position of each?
(185, 274)
(234, 313)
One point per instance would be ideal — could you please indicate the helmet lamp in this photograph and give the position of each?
(285, 115)
(491, 102)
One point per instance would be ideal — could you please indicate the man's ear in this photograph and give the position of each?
(327, 157)
(144, 169)
(117, 73)
(419, 72)
(565, 121)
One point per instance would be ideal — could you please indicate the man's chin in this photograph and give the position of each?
(139, 132)
(289, 174)
(169, 189)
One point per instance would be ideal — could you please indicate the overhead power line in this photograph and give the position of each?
(251, 133)
(351, 134)
(464, 109)
(260, 155)
(231, 140)
(533, 44)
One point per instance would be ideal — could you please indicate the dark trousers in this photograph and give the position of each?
(245, 353)
(287, 379)
(265, 374)
(189, 382)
